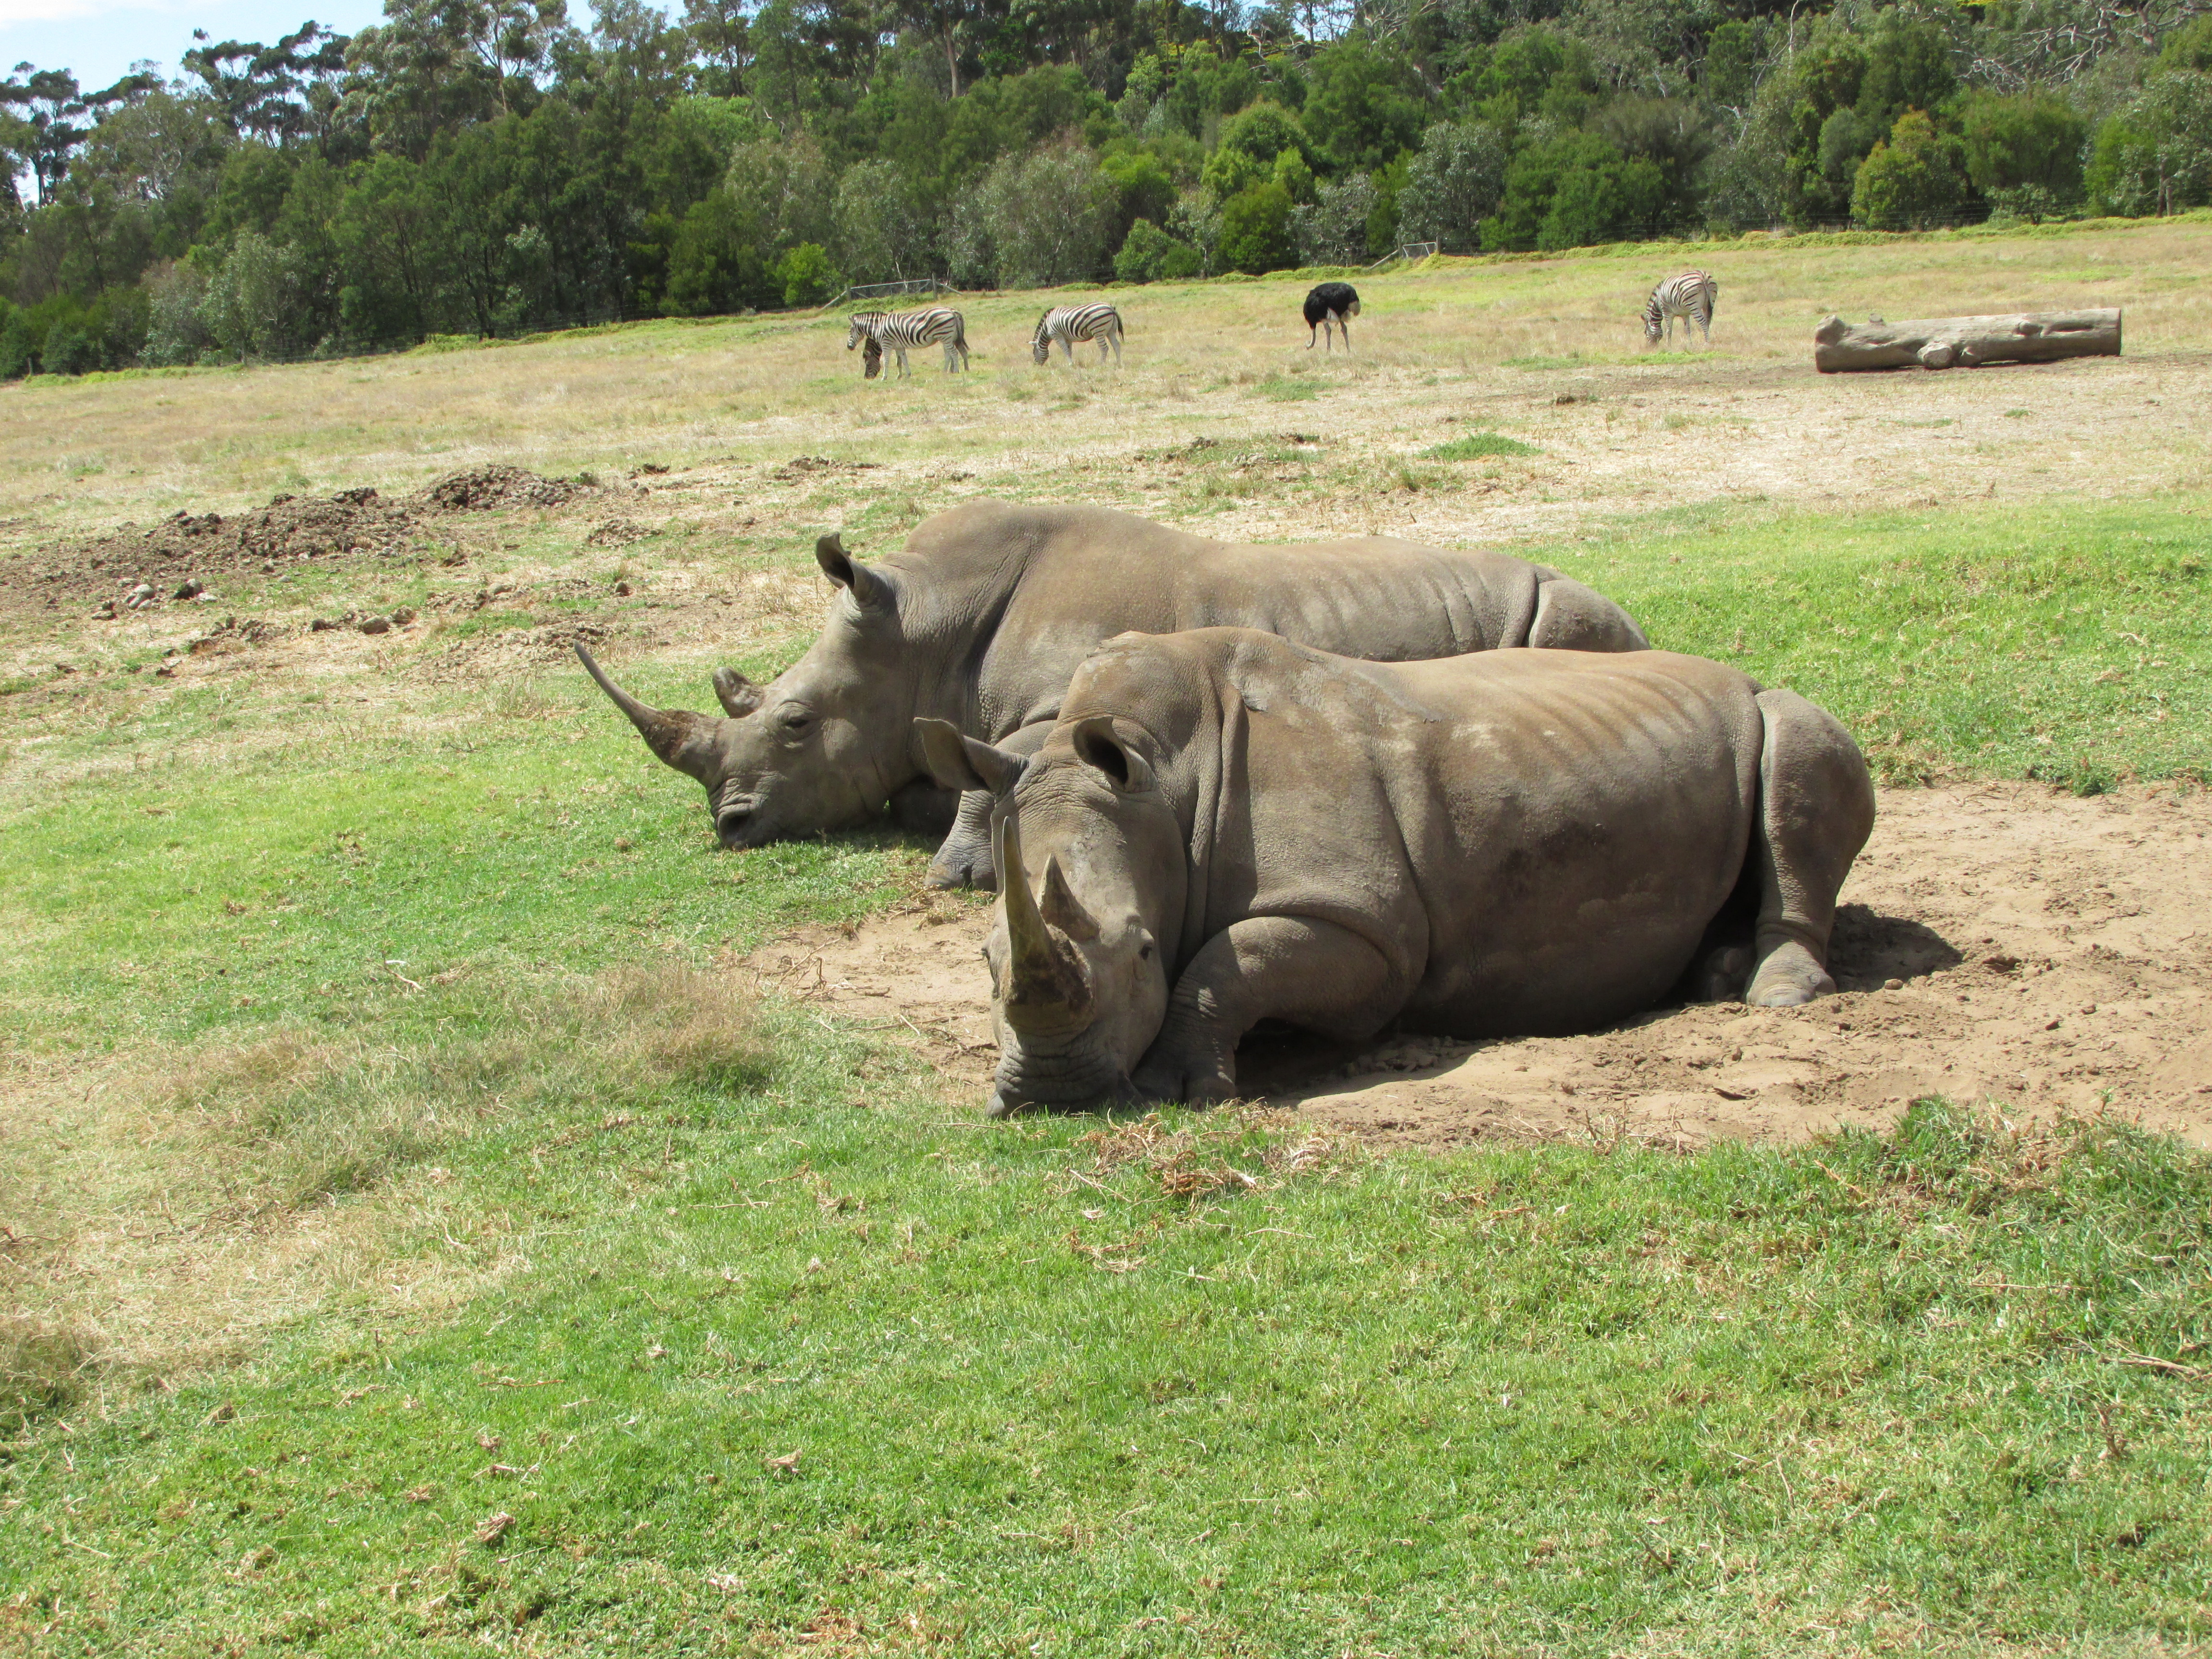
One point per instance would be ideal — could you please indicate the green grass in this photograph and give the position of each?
(1477, 445)
(767, 1362)
(2071, 644)
(447, 989)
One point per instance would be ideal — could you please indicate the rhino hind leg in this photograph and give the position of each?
(1721, 974)
(1571, 616)
(1816, 812)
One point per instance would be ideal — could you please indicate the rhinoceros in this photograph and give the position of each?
(990, 607)
(1224, 827)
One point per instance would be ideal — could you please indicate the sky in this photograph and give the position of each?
(100, 39)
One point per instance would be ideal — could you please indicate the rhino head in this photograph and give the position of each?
(822, 746)
(1092, 885)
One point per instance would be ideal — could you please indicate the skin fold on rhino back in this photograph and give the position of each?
(1034, 589)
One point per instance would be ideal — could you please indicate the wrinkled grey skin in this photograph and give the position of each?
(1223, 827)
(981, 619)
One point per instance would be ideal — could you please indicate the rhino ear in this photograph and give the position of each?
(738, 695)
(871, 587)
(960, 763)
(1097, 746)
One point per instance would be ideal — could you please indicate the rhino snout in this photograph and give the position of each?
(736, 820)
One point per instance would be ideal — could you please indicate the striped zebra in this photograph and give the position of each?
(1068, 324)
(898, 331)
(1690, 297)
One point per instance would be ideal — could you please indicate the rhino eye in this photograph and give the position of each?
(795, 720)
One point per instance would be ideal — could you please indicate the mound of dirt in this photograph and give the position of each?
(1997, 943)
(482, 488)
(187, 548)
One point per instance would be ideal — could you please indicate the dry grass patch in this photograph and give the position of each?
(201, 1196)
(1238, 1147)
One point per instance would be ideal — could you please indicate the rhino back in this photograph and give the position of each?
(1537, 840)
(1038, 588)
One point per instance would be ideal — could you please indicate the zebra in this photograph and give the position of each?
(1332, 302)
(900, 330)
(1068, 324)
(1690, 297)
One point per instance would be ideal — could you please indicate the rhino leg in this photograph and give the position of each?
(1815, 810)
(1320, 976)
(964, 859)
(920, 808)
(1572, 617)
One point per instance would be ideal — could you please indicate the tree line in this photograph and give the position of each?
(486, 167)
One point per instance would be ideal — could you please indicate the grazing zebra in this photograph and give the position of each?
(1332, 302)
(1690, 297)
(1068, 324)
(896, 331)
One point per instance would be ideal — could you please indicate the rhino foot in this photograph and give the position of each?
(1198, 1081)
(1720, 978)
(965, 860)
(1790, 976)
(955, 867)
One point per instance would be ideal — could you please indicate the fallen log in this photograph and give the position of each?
(2035, 337)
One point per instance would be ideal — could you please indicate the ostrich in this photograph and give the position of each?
(1332, 302)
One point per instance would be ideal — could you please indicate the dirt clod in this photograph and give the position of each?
(482, 487)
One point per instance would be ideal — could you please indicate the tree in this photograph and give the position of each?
(1573, 190)
(1914, 180)
(1151, 255)
(883, 231)
(1333, 230)
(807, 277)
(1364, 106)
(253, 307)
(416, 76)
(1839, 94)
(1452, 184)
(1255, 229)
(2032, 141)
(264, 92)
(2155, 155)
(1673, 136)
(1037, 219)
(57, 116)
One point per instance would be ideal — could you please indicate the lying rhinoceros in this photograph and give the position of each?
(1224, 827)
(985, 614)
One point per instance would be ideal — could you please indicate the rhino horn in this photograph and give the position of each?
(684, 739)
(1060, 907)
(1046, 984)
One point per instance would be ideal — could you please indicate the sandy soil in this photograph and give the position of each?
(1997, 943)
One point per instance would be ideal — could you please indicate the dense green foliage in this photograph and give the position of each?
(487, 166)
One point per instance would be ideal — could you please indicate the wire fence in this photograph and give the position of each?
(931, 285)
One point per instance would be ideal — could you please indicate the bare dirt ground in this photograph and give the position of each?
(1999, 943)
